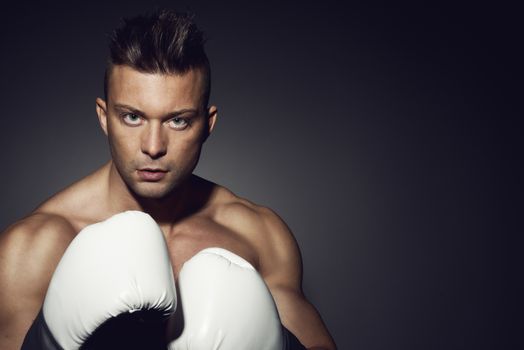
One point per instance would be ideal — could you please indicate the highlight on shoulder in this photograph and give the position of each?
(267, 230)
(38, 231)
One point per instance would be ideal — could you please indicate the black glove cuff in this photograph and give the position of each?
(290, 341)
(39, 336)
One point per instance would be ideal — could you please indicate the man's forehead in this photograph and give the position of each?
(129, 75)
(125, 82)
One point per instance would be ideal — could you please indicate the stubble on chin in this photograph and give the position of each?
(154, 190)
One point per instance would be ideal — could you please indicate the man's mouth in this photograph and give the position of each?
(151, 174)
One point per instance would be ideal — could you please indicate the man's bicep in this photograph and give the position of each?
(15, 319)
(29, 253)
(283, 274)
(301, 318)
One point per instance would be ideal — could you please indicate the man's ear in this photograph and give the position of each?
(101, 111)
(212, 114)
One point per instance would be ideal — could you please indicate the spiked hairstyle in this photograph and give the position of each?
(164, 42)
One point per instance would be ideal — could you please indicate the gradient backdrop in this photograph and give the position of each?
(384, 136)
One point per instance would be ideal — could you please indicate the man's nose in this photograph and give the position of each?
(154, 142)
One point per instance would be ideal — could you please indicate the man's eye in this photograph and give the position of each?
(131, 119)
(178, 123)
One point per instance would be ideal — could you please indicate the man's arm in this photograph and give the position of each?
(281, 267)
(29, 253)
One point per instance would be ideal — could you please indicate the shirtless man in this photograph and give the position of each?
(156, 117)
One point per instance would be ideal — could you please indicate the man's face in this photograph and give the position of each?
(156, 125)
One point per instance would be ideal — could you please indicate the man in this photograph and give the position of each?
(156, 117)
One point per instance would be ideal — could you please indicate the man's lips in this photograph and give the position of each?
(151, 174)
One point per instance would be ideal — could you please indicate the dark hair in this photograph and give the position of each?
(165, 42)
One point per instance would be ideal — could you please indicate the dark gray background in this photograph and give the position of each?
(385, 136)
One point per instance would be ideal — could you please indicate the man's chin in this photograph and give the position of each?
(150, 191)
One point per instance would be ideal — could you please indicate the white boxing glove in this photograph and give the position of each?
(115, 267)
(226, 305)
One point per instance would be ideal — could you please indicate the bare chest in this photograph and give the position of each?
(187, 239)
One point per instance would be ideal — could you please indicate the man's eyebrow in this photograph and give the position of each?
(129, 108)
(121, 106)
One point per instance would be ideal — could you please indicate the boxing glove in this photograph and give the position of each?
(226, 305)
(113, 286)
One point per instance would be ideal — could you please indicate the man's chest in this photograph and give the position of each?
(188, 238)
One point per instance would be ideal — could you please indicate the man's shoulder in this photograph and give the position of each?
(275, 244)
(231, 209)
(77, 203)
(29, 252)
(38, 231)
(261, 223)
(54, 221)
